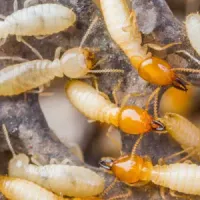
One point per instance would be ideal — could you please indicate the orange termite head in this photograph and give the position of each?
(159, 72)
(135, 120)
(128, 169)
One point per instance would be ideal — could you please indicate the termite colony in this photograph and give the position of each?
(62, 181)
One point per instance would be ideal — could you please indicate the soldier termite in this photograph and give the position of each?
(74, 63)
(59, 178)
(19, 189)
(130, 119)
(38, 20)
(137, 171)
(121, 24)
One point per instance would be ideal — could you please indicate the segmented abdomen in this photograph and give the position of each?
(61, 179)
(183, 178)
(18, 189)
(89, 102)
(22, 77)
(126, 34)
(43, 19)
(182, 130)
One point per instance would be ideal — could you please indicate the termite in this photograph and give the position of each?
(121, 24)
(130, 119)
(184, 132)
(193, 30)
(19, 189)
(61, 179)
(74, 63)
(37, 20)
(135, 170)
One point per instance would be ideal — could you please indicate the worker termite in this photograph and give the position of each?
(19, 189)
(193, 30)
(137, 171)
(38, 20)
(130, 119)
(184, 132)
(74, 63)
(59, 178)
(121, 24)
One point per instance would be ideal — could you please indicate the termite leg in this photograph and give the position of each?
(190, 154)
(76, 150)
(114, 141)
(41, 90)
(128, 96)
(161, 48)
(162, 161)
(13, 58)
(66, 161)
(121, 196)
(138, 184)
(35, 51)
(189, 55)
(188, 162)
(174, 194)
(105, 192)
(34, 160)
(15, 5)
(58, 52)
(115, 90)
(41, 37)
(102, 60)
(162, 192)
(29, 3)
(96, 85)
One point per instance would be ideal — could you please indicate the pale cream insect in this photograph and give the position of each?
(192, 24)
(19, 189)
(59, 178)
(123, 30)
(37, 20)
(74, 63)
(184, 132)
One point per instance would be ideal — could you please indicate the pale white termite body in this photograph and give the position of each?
(183, 131)
(90, 103)
(19, 78)
(179, 177)
(61, 179)
(123, 29)
(193, 30)
(18, 189)
(44, 19)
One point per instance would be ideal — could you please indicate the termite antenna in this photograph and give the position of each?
(135, 146)
(106, 71)
(189, 55)
(122, 196)
(5, 131)
(110, 187)
(152, 96)
(156, 105)
(94, 21)
(188, 70)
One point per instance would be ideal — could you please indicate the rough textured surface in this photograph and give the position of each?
(28, 129)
